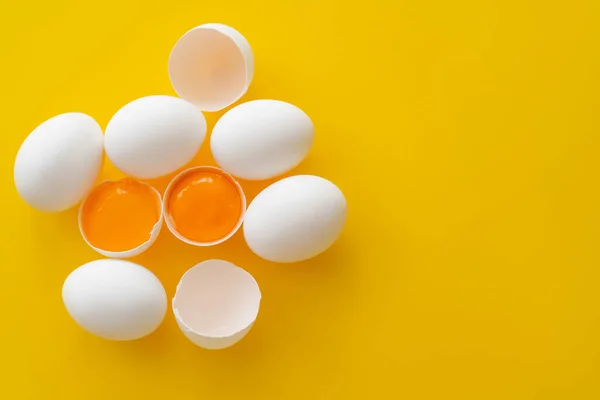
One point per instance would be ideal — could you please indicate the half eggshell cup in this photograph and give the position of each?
(174, 191)
(121, 219)
(211, 66)
(216, 304)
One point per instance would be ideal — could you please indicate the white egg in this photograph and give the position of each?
(295, 219)
(154, 136)
(261, 139)
(115, 299)
(59, 162)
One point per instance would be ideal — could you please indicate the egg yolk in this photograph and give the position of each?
(120, 216)
(204, 205)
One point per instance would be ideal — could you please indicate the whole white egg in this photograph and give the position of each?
(154, 136)
(115, 299)
(295, 219)
(261, 139)
(59, 162)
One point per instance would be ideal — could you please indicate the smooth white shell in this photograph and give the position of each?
(295, 219)
(115, 299)
(154, 136)
(135, 251)
(216, 304)
(211, 66)
(261, 139)
(59, 162)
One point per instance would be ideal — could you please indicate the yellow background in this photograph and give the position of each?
(465, 135)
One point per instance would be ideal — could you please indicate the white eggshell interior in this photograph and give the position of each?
(154, 136)
(216, 304)
(211, 66)
(59, 162)
(295, 219)
(169, 221)
(115, 299)
(261, 139)
(137, 250)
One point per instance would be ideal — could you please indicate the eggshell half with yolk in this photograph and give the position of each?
(121, 219)
(204, 206)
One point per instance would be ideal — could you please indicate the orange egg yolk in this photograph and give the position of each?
(204, 205)
(120, 216)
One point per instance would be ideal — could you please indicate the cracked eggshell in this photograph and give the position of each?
(211, 66)
(136, 250)
(115, 299)
(261, 139)
(59, 162)
(154, 136)
(295, 219)
(216, 304)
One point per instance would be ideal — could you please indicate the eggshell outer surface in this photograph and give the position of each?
(58, 163)
(261, 139)
(154, 136)
(115, 299)
(295, 219)
(216, 304)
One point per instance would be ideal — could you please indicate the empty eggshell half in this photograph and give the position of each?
(204, 206)
(216, 304)
(211, 66)
(261, 139)
(121, 219)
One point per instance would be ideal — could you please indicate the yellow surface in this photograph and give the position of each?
(465, 135)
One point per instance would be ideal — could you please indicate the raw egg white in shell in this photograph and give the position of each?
(261, 139)
(115, 299)
(59, 162)
(154, 136)
(295, 219)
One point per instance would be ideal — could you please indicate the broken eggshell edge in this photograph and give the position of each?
(245, 50)
(208, 342)
(137, 250)
(213, 342)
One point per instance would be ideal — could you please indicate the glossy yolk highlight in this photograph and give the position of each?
(120, 216)
(204, 206)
